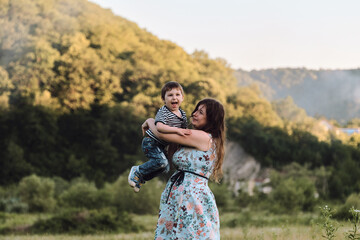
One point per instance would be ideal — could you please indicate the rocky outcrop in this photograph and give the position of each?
(240, 168)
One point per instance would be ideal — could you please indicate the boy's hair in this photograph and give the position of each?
(168, 86)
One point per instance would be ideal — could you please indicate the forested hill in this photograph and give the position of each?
(334, 94)
(76, 81)
(69, 54)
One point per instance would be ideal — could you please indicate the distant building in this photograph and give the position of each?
(349, 131)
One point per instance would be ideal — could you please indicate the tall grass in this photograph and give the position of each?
(261, 226)
(239, 233)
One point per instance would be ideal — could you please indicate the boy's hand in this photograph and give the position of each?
(183, 132)
(144, 127)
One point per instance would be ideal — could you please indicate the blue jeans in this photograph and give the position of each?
(157, 164)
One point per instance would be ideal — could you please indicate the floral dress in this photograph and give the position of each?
(187, 207)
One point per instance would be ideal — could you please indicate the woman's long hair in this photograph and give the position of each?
(215, 125)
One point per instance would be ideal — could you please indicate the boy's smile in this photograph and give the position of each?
(173, 99)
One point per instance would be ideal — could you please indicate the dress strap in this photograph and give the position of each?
(178, 178)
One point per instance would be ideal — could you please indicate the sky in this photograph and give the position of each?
(255, 34)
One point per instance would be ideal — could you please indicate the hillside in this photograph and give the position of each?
(67, 55)
(334, 94)
(76, 81)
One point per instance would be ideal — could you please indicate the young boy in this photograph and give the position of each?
(170, 118)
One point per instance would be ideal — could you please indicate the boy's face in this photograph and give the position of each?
(173, 99)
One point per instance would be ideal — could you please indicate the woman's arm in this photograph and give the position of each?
(197, 139)
(163, 128)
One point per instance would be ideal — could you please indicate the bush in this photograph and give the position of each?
(222, 195)
(13, 205)
(83, 194)
(147, 201)
(37, 193)
(10, 201)
(352, 201)
(86, 222)
(2, 218)
(292, 195)
(60, 186)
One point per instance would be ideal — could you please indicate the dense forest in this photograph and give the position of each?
(76, 81)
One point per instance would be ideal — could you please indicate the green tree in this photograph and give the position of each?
(38, 193)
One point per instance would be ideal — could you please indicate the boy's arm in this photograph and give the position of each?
(163, 128)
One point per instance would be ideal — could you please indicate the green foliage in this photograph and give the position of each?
(243, 199)
(354, 233)
(60, 186)
(92, 143)
(13, 205)
(293, 190)
(292, 195)
(10, 201)
(328, 225)
(223, 196)
(38, 193)
(83, 194)
(70, 55)
(2, 218)
(144, 202)
(287, 109)
(353, 200)
(274, 147)
(86, 222)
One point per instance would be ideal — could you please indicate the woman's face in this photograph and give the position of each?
(198, 119)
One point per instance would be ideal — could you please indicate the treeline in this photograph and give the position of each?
(99, 143)
(273, 147)
(103, 142)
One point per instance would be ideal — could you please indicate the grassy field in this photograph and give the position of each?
(294, 230)
(264, 233)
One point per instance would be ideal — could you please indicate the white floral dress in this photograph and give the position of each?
(187, 207)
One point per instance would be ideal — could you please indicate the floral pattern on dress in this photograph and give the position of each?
(189, 211)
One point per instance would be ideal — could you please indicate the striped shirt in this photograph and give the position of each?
(165, 116)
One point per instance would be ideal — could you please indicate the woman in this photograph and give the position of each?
(187, 207)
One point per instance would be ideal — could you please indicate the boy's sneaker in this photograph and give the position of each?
(135, 180)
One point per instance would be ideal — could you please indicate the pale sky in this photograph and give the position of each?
(255, 34)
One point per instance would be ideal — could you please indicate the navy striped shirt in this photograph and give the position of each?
(165, 116)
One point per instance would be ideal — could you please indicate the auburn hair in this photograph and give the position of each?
(215, 125)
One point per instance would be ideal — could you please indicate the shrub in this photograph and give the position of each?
(222, 194)
(10, 201)
(145, 202)
(38, 193)
(83, 194)
(292, 195)
(352, 201)
(13, 205)
(2, 218)
(86, 222)
(60, 186)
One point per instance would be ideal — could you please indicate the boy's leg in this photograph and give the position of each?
(157, 163)
(135, 179)
(162, 162)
